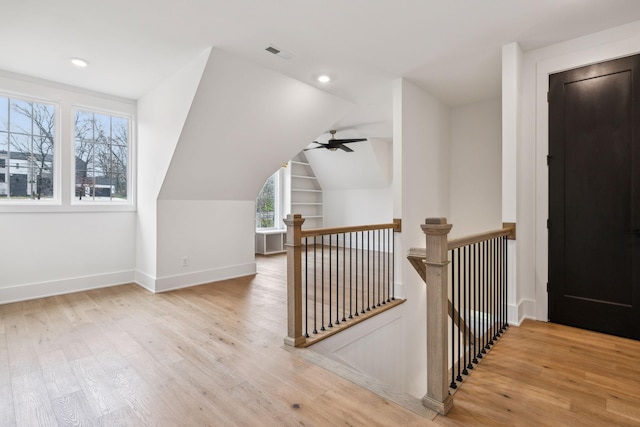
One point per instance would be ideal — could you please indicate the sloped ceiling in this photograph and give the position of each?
(368, 166)
(245, 121)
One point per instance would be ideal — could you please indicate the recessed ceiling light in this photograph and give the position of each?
(79, 62)
(324, 78)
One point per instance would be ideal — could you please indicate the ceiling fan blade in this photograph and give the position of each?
(315, 148)
(344, 141)
(345, 148)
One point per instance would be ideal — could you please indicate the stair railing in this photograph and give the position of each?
(466, 281)
(337, 277)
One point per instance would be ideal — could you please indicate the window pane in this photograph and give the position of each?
(20, 116)
(265, 205)
(119, 131)
(4, 114)
(101, 144)
(119, 159)
(102, 128)
(119, 183)
(27, 135)
(43, 123)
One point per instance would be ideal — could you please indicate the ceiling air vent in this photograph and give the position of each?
(279, 52)
(273, 50)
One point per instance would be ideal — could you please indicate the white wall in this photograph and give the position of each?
(161, 116)
(356, 186)
(63, 248)
(422, 127)
(476, 164)
(532, 172)
(217, 238)
(358, 206)
(245, 122)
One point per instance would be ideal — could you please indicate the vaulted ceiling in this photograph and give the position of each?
(450, 48)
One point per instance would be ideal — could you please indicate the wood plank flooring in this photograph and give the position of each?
(212, 356)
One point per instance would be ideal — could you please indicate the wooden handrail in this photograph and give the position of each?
(509, 230)
(296, 337)
(396, 225)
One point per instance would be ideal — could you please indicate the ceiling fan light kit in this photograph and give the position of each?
(333, 144)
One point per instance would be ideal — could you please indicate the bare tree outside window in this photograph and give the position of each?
(266, 204)
(27, 134)
(101, 148)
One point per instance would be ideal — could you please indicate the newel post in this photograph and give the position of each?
(437, 261)
(294, 280)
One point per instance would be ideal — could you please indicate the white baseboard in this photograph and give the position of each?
(64, 286)
(399, 290)
(144, 280)
(170, 283)
(525, 309)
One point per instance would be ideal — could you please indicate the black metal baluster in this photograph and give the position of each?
(506, 283)
(457, 307)
(368, 270)
(476, 303)
(453, 324)
(472, 353)
(344, 277)
(322, 305)
(496, 300)
(330, 325)
(379, 276)
(385, 250)
(363, 262)
(469, 283)
(486, 296)
(482, 309)
(491, 289)
(388, 247)
(351, 274)
(503, 283)
(337, 279)
(393, 265)
(356, 290)
(465, 329)
(306, 287)
(315, 284)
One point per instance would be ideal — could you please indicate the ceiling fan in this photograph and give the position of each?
(333, 144)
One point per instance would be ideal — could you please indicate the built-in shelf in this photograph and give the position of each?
(270, 241)
(306, 192)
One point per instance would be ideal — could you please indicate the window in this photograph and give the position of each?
(27, 135)
(269, 203)
(101, 157)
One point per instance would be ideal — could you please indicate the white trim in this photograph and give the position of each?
(92, 205)
(545, 67)
(170, 283)
(10, 205)
(145, 281)
(525, 309)
(64, 286)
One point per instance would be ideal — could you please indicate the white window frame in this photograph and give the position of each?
(107, 205)
(279, 202)
(16, 205)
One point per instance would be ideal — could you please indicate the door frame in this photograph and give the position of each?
(545, 67)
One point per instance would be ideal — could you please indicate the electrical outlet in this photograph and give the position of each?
(185, 261)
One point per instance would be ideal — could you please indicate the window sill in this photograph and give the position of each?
(53, 207)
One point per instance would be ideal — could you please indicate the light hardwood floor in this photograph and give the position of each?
(212, 355)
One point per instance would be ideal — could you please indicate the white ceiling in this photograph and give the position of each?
(449, 47)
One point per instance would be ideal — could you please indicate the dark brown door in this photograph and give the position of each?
(594, 197)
